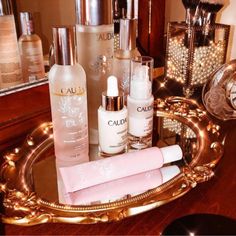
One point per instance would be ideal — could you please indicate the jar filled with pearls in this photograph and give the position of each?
(189, 61)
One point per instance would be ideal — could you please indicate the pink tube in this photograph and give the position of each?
(118, 189)
(101, 171)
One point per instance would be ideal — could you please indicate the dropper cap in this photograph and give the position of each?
(128, 29)
(64, 45)
(5, 7)
(112, 99)
(94, 12)
(26, 20)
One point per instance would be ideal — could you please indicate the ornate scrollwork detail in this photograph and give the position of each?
(213, 128)
(197, 174)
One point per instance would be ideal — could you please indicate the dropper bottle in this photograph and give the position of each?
(112, 121)
(140, 103)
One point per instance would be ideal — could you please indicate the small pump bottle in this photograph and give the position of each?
(140, 103)
(127, 50)
(30, 46)
(10, 65)
(112, 121)
(67, 81)
(95, 48)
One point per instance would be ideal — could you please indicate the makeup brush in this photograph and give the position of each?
(210, 8)
(190, 6)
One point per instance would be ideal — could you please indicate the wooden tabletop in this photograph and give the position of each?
(217, 196)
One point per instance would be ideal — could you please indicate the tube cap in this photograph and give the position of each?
(128, 30)
(64, 45)
(169, 173)
(171, 153)
(5, 7)
(26, 20)
(94, 12)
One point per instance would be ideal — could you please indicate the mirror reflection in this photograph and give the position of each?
(22, 61)
(49, 184)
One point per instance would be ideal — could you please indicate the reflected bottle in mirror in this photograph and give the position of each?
(31, 52)
(10, 66)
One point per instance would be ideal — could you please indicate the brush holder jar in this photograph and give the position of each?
(194, 53)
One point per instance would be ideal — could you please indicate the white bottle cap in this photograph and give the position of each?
(112, 87)
(140, 85)
(171, 153)
(112, 99)
(169, 173)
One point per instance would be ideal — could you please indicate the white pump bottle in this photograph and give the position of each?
(140, 104)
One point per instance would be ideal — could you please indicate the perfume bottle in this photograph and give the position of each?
(95, 42)
(140, 103)
(10, 67)
(112, 121)
(127, 50)
(31, 52)
(67, 82)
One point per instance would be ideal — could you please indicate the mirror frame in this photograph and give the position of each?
(23, 206)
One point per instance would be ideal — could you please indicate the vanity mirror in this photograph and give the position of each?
(28, 174)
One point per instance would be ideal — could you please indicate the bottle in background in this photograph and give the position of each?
(127, 50)
(31, 52)
(10, 67)
(140, 103)
(95, 42)
(67, 82)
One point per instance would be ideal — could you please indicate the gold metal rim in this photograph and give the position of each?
(23, 207)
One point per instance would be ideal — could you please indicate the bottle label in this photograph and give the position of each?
(112, 131)
(32, 60)
(69, 115)
(140, 117)
(10, 70)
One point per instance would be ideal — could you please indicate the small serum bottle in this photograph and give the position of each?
(112, 121)
(140, 103)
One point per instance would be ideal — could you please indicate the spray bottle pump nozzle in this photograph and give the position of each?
(141, 86)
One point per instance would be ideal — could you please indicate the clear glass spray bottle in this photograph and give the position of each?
(31, 51)
(95, 43)
(122, 56)
(67, 81)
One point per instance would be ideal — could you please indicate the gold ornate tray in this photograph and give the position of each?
(177, 120)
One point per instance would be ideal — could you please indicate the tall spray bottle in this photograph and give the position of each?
(67, 81)
(127, 50)
(10, 66)
(140, 103)
(31, 50)
(95, 43)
